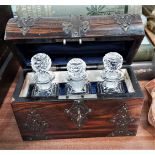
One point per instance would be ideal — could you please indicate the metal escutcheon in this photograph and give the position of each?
(78, 112)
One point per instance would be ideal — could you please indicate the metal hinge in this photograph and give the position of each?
(76, 26)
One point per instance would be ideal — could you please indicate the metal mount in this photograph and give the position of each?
(122, 120)
(124, 20)
(78, 112)
(25, 23)
(76, 26)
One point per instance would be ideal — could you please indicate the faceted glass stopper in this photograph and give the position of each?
(76, 69)
(41, 64)
(112, 74)
(77, 75)
(112, 62)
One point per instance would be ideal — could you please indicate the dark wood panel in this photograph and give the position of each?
(52, 28)
(8, 71)
(59, 125)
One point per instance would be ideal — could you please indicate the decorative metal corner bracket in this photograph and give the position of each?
(78, 112)
(25, 23)
(76, 27)
(124, 20)
(121, 121)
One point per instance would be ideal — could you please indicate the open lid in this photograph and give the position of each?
(89, 38)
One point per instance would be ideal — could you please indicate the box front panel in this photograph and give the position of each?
(69, 119)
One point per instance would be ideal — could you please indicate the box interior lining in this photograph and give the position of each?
(61, 77)
(91, 52)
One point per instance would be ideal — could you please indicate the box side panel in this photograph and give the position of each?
(44, 120)
(7, 75)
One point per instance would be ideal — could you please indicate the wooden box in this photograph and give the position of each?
(89, 38)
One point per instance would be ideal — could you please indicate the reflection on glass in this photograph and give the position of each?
(43, 87)
(112, 74)
(77, 76)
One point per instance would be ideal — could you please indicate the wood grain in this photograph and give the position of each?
(49, 28)
(101, 29)
(10, 137)
(60, 125)
(7, 74)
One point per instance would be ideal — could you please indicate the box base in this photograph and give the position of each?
(54, 118)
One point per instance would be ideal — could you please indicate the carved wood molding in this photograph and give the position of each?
(78, 112)
(121, 121)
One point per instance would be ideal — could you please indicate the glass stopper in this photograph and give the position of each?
(76, 69)
(112, 62)
(112, 74)
(77, 76)
(41, 63)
